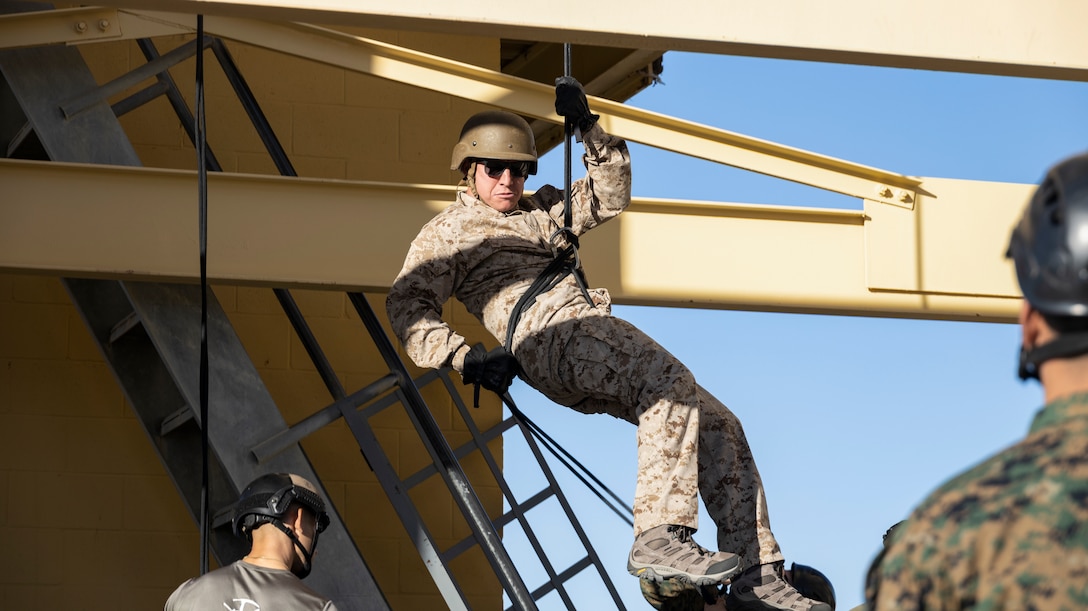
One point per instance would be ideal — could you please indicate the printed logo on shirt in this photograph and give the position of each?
(243, 605)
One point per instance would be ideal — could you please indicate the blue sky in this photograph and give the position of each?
(852, 420)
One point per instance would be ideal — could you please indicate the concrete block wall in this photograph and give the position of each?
(89, 515)
(90, 518)
(333, 123)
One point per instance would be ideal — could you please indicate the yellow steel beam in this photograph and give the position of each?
(77, 26)
(537, 100)
(60, 26)
(96, 220)
(141, 224)
(954, 245)
(1041, 39)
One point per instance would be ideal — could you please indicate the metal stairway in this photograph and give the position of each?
(149, 335)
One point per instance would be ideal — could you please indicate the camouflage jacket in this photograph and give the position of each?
(487, 259)
(1010, 533)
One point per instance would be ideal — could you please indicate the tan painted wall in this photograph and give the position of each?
(86, 509)
(332, 123)
(88, 514)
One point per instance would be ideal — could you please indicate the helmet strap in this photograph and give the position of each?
(470, 179)
(1066, 345)
(307, 555)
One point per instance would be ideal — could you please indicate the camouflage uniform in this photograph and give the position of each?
(1010, 533)
(578, 354)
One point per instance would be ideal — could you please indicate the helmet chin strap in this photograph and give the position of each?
(470, 180)
(307, 555)
(1066, 345)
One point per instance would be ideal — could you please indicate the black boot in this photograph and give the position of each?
(764, 588)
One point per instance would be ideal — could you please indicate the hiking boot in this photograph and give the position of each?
(668, 552)
(764, 587)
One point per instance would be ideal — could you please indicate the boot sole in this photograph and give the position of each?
(735, 603)
(658, 573)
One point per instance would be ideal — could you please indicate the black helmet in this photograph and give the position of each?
(267, 498)
(1050, 243)
(1050, 249)
(812, 584)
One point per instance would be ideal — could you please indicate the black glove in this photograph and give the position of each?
(570, 103)
(493, 370)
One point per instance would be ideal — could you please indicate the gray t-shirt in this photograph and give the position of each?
(246, 587)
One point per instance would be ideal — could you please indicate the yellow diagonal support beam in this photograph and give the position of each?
(537, 100)
(488, 86)
(1039, 39)
(141, 224)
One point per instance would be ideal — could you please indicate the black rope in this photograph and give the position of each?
(563, 264)
(621, 509)
(568, 131)
(202, 182)
(566, 259)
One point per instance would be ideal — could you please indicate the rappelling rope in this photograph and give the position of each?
(565, 262)
(597, 487)
(202, 182)
(566, 259)
(568, 132)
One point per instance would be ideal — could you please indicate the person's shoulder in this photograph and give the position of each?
(457, 207)
(182, 598)
(450, 219)
(959, 507)
(173, 602)
(950, 506)
(999, 478)
(984, 473)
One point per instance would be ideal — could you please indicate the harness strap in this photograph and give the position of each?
(564, 264)
(566, 261)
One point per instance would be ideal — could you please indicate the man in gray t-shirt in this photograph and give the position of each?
(281, 515)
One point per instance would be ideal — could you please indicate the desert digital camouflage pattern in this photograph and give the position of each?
(578, 354)
(487, 259)
(1010, 533)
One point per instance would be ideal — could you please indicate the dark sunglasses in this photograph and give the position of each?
(495, 168)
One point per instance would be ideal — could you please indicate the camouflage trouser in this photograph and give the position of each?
(688, 441)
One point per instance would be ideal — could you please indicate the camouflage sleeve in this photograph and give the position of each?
(1005, 533)
(415, 301)
(606, 189)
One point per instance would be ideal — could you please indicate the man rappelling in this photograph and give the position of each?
(511, 260)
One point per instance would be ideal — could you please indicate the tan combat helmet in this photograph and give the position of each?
(495, 134)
